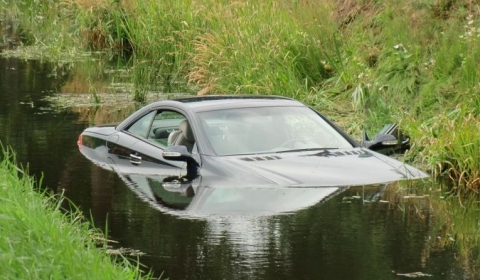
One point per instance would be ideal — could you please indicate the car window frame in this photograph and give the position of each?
(328, 122)
(125, 129)
(174, 127)
(133, 123)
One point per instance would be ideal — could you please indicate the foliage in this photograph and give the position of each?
(366, 63)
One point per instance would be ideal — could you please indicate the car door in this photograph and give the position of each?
(140, 145)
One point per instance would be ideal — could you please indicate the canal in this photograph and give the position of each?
(355, 233)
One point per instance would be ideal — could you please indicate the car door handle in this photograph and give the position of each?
(135, 160)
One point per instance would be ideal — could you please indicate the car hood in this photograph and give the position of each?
(328, 167)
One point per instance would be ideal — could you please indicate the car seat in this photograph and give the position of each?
(182, 136)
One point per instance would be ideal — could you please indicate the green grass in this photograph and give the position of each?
(365, 63)
(40, 241)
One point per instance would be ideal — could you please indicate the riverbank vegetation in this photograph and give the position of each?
(39, 241)
(365, 63)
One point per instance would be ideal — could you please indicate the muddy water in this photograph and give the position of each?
(351, 234)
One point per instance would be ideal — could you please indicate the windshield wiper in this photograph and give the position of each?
(304, 150)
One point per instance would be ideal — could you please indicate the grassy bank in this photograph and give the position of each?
(39, 241)
(364, 63)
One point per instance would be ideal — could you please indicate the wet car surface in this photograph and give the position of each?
(240, 140)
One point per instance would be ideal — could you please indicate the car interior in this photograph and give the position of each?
(182, 136)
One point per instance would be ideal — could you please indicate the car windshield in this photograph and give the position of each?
(269, 130)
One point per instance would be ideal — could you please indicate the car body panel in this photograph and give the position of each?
(127, 154)
(346, 167)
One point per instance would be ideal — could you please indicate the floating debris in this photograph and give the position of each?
(99, 238)
(352, 197)
(414, 274)
(415, 196)
(125, 251)
(120, 100)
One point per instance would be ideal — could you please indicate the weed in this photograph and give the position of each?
(368, 62)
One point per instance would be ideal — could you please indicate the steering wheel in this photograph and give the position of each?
(288, 143)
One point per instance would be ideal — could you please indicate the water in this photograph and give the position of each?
(340, 238)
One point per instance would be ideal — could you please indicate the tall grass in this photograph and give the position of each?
(460, 157)
(216, 46)
(45, 23)
(365, 62)
(40, 241)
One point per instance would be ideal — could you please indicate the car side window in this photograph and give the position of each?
(142, 126)
(163, 128)
(164, 123)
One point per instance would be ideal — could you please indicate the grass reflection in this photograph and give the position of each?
(458, 225)
(453, 220)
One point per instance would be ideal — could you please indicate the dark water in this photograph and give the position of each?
(340, 238)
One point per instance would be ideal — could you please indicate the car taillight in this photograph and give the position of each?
(79, 141)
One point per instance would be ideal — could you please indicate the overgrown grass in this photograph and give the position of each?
(450, 145)
(366, 63)
(39, 241)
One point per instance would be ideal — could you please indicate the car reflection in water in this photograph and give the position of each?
(246, 215)
(186, 196)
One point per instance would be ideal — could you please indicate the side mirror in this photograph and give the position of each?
(381, 141)
(385, 139)
(389, 140)
(180, 153)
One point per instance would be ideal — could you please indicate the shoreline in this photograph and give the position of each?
(42, 242)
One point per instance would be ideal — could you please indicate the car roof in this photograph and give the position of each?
(218, 102)
(212, 103)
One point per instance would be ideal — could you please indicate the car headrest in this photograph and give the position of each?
(186, 130)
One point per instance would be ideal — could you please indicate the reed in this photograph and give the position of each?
(47, 23)
(461, 161)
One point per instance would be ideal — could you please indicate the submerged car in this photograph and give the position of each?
(235, 140)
